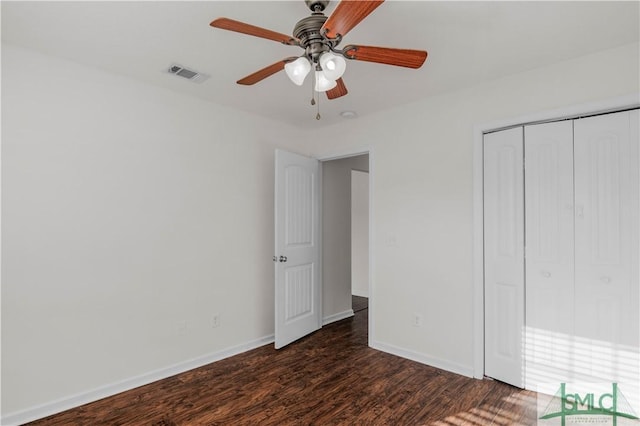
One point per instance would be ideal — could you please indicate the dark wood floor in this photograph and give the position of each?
(358, 303)
(328, 378)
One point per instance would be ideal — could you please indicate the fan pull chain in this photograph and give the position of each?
(313, 97)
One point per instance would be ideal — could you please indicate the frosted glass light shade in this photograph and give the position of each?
(323, 83)
(298, 70)
(332, 65)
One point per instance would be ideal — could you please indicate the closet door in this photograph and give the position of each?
(504, 255)
(549, 260)
(606, 227)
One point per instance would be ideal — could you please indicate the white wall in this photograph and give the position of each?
(359, 233)
(130, 215)
(336, 234)
(423, 195)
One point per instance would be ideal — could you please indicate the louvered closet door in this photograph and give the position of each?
(549, 250)
(606, 227)
(504, 256)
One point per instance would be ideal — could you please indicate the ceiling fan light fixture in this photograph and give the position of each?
(297, 70)
(332, 65)
(318, 36)
(323, 83)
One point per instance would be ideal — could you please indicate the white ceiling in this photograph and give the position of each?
(468, 42)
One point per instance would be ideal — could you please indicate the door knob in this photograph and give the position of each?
(283, 258)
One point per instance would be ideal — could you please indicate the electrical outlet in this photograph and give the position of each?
(182, 327)
(417, 320)
(215, 321)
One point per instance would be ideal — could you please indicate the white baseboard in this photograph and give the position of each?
(79, 399)
(442, 364)
(337, 317)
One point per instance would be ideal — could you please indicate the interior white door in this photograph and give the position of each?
(297, 247)
(549, 257)
(504, 255)
(606, 227)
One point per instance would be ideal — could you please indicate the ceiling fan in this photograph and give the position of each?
(319, 36)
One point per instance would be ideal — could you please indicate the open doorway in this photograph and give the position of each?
(359, 240)
(345, 237)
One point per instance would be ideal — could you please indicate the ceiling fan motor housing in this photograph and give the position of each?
(307, 30)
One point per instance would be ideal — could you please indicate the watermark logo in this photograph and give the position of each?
(587, 405)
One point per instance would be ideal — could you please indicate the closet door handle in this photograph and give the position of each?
(580, 211)
(546, 274)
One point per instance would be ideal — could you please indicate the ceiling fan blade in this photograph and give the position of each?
(348, 14)
(265, 72)
(384, 55)
(338, 91)
(241, 27)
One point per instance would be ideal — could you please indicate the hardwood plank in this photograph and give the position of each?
(328, 378)
(359, 303)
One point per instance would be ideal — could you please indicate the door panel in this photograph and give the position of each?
(606, 193)
(549, 260)
(298, 204)
(606, 226)
(504, 255)
(297, 254)
(298, 292)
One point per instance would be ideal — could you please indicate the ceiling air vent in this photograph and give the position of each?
(191, 75)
